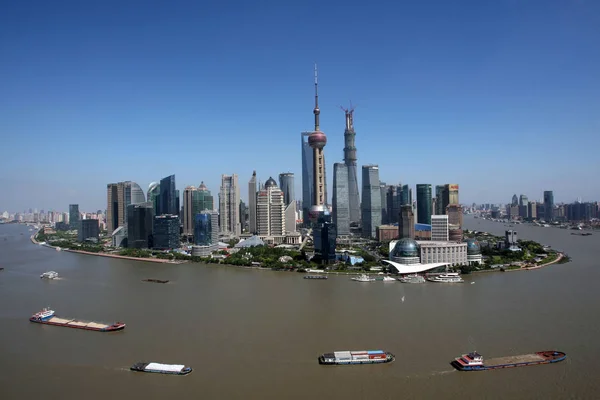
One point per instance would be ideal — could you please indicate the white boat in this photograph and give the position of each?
(413, 278)
(388, 279)
(363, 278)
(449, 277)
(49, 275)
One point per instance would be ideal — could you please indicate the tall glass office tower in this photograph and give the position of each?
(424, 203)
(341, 211)
(371, 200)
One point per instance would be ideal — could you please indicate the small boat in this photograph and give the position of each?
(450, 277)
(49, 275)
(389, 279)
(315, 277)
(1, 268)
(356, 357)
(474, 361)
(413, 278)
(363, 278)
(158, 368)
(155, 280)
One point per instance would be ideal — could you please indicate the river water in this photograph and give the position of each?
(252, 334)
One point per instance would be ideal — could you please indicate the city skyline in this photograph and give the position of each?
(455, 94)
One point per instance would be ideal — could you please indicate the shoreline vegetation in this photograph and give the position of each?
(497, 259)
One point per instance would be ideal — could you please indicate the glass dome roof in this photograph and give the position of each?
(473, 247)
(406, 247)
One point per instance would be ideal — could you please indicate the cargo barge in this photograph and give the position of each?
(46, 316)
(315, 277)
(155, 280)
(157, 368)
(356, 357)
(474, 361)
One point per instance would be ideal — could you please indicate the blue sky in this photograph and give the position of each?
(500, 97)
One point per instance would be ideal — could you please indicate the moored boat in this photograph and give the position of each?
(449, 277)
(389, 279)
(158, 368)
(46, 316)
(413, 278)
(363, 278)
(356, 357)
(474, 361)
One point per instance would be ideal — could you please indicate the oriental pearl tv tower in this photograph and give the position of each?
(317, 141)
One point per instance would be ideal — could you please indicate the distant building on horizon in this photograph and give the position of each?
(549, 205)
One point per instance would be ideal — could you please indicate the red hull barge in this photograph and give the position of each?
(47, 317)
(474, 361)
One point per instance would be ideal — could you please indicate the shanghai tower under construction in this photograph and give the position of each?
(350, 161)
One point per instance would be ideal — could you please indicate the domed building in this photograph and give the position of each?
(473, 252)
(406, 251)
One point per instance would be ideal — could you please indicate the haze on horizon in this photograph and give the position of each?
(501, 98)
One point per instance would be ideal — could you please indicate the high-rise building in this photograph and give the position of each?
(406, 196)
(229, 205)
(252, 204)
(439, 208)
(392, 195)
(74, 216)
(119, 196)
(549, 205)
(424, 203)
(532, 210)
(371, 200)
(384, 206)
(154, 195)
(206, 233)
(166, 232)
(341, 212)
(455, 214)
(286, 184)
(439, 228)
(195, 200)
(140, 225)
(350, 161)
(406, 222)
(167, 201)
(307, 176)
(452, 193)
(523, 206)
(290, 218)
(270, 210)
(88, 230)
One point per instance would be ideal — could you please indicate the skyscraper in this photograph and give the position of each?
(406, 196)
(286, 184)
(549, 205)
(167, 201)
(74, 216)
(406, 223)
(384, 206)
(252, 203)
(424, 203)
(154, 195)
(307, 176)
(119, 196)
(350, 161)
(195, 200)
(270, 210)
(140, 225)
(394, 201)
(229, 205)
(341, 212)
(371, 200)
(523, 206)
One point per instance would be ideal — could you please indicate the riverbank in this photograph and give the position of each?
(558, 259)
(89, 253)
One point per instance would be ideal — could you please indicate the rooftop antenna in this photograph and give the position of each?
(316, 111)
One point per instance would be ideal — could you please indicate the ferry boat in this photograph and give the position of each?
(315, 277)
(450, 277)
(49, 275)
(363, 278)
(474, 361)
(46, 316)
(414, 278)
(356, 357)
(170, 369)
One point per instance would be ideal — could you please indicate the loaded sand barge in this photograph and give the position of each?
(46, 316)
(356, 357)
(474, 361)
